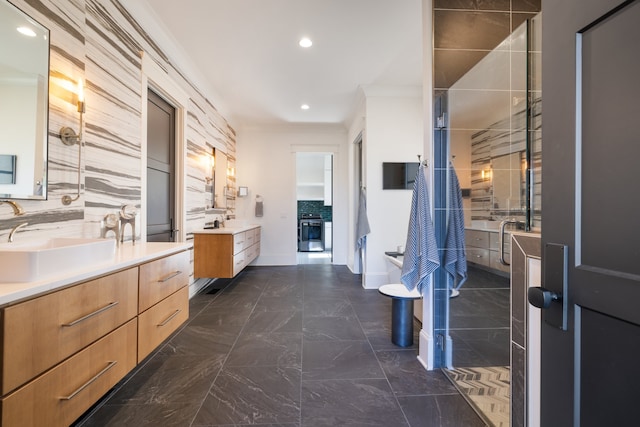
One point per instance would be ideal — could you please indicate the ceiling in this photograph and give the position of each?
(244, 54)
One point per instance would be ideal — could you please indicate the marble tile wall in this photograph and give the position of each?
(98, 41)
(501, 138)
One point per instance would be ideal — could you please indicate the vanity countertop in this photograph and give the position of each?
(481, 228)
(395, 258)
(127, 255)
(227, 230)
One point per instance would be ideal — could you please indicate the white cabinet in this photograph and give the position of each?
(314, 177)
(328, 184)
(483, 248)
(328, 235)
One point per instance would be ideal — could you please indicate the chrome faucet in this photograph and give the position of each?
(14, 229)
(17, 209)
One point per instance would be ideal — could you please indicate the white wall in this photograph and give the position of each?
(394, 133)
(266, 164)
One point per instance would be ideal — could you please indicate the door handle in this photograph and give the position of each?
(553, 295)
(541, 297)
(503, 224)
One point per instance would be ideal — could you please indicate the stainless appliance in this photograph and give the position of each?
(310, 233)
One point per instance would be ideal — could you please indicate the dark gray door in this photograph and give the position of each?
(591, 206)
(160, 169)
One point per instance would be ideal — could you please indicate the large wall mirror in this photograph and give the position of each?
(24, 91)
(220, 174)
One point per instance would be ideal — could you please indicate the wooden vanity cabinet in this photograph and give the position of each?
(163, 300)
(224, 255)
(62, 394)
(61, 352)
(157, 323)
(161, 278)
(39, 333)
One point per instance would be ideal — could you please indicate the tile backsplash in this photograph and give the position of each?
(315, 207)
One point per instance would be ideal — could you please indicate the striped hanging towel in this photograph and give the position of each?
(421, 251)
(455, 259)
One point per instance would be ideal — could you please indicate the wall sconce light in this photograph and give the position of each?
(486, 174)
(69, 137)
(67, 134)
(209, 163)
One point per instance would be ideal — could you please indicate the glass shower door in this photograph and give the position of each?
(487, 134)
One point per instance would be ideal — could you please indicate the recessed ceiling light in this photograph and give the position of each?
(26, 31)
(305, 106)
(305, 42)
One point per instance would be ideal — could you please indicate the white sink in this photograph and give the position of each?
(34, 260)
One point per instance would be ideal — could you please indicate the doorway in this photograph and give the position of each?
(161, 169)
(314, 207)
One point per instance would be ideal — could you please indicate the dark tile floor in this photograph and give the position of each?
(285, 346)
(479, 321)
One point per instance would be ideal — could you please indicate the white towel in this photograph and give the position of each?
(455, 259)
(259, 206)
(362, 226)
(421, 250)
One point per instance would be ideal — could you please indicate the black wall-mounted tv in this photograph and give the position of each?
(399, 176)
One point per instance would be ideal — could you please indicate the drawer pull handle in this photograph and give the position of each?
(168, 319)
(88, 383)
(98, 311)
(170, 276)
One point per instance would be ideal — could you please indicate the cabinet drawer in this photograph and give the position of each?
(161, 278)
(158, 322)
(256, 233)
(251, 253)
(239, 241)
(494, 261)
(238, 262)
(476, 238)
(250, 237)
(478, 256)
(39, 333)
(62, 394)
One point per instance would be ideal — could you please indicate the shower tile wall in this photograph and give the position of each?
(98, 41)
(465, 31)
